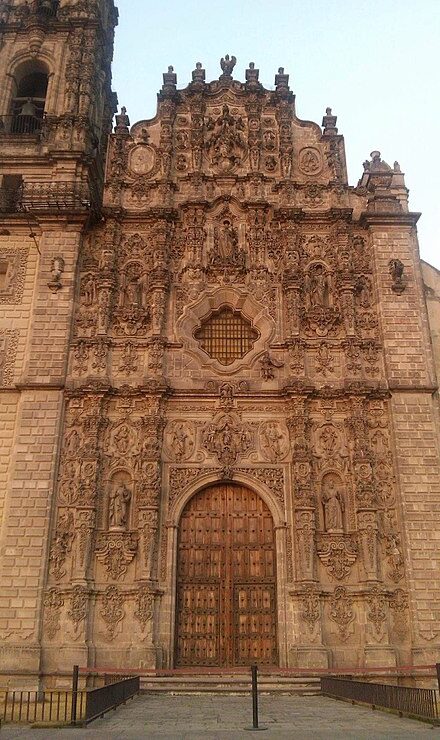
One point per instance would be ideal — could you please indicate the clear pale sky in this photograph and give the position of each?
(375, 62)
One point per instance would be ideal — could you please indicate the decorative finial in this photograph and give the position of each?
(122, 121)
(198, 74)
(329, 123)
(282, 81)
(169, 79)
(227, 64)
(252, 76)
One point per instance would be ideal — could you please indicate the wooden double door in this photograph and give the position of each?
(226, 613)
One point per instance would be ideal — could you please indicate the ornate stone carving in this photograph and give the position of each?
(228, 439)
(399, 605)
(144, 607)
(148, 521)
(310, 611)
(225, 144)
(85, 524)
(112, 611)
(396, 270)
(394, 557)
(377, 613)
(272, 477)
(338, 553)
(8, 352)
(116, 550)
(12, 285)
(368, 539)
(309, 161)
(305, 533)
(119, 507)
(341, 611)
(268, 365)
(129, 359)
(53, 602)
(274, 440)
(56, 270)
(324, 360)
(78, 608)
(333, 503)
(62, 544)
(181, 478)
(180, 437)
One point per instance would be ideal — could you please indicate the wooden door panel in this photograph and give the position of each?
(198, 627)
(226, 590)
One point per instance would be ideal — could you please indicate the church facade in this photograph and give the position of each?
(219, 411)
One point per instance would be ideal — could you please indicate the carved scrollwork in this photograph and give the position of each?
(116, 550)
(341, 611)
(338, 554)
(112, 611)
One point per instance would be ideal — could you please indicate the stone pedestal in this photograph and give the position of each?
(380, 657)
(308, 657)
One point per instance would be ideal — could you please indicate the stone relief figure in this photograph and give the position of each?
(333, 505)
(227, 240)
(181, 440)
(273, 441)
(318, 287)
(119, 506)
(226, 252)
(121, 439)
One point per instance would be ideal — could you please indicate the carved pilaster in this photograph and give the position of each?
(305, 544)
(368, 538)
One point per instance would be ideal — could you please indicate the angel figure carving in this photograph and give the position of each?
(227, 64)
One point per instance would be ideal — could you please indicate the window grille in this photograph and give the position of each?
(226, 336)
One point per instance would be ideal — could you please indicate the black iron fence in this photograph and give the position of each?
(414, 702)
(41, 706)
(99, 701)
(70, 707)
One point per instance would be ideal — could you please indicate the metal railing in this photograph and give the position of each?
(99, 701)
(46, 196)
(414, 702)
(21, 125)
(69, 707)
(40, 706)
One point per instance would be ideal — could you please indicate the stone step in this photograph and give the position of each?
(229, 684)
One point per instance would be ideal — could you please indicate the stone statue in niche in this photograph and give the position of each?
(333, 506)
(226, 252)
(318, 287)
(227, 240)
(119, 507)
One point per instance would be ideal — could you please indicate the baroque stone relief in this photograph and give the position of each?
(8, 352)
(13, 264)
(180, 440)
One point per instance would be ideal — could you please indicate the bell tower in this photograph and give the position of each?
(56, 109)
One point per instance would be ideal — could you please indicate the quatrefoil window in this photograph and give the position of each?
(226, 335)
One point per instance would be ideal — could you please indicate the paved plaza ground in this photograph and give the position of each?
(211, 717)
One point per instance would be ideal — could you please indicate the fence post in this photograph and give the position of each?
(75, 676)
(254, 669)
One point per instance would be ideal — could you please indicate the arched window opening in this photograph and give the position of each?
(30, 99)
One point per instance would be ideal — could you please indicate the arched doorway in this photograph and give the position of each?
(226, 580)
